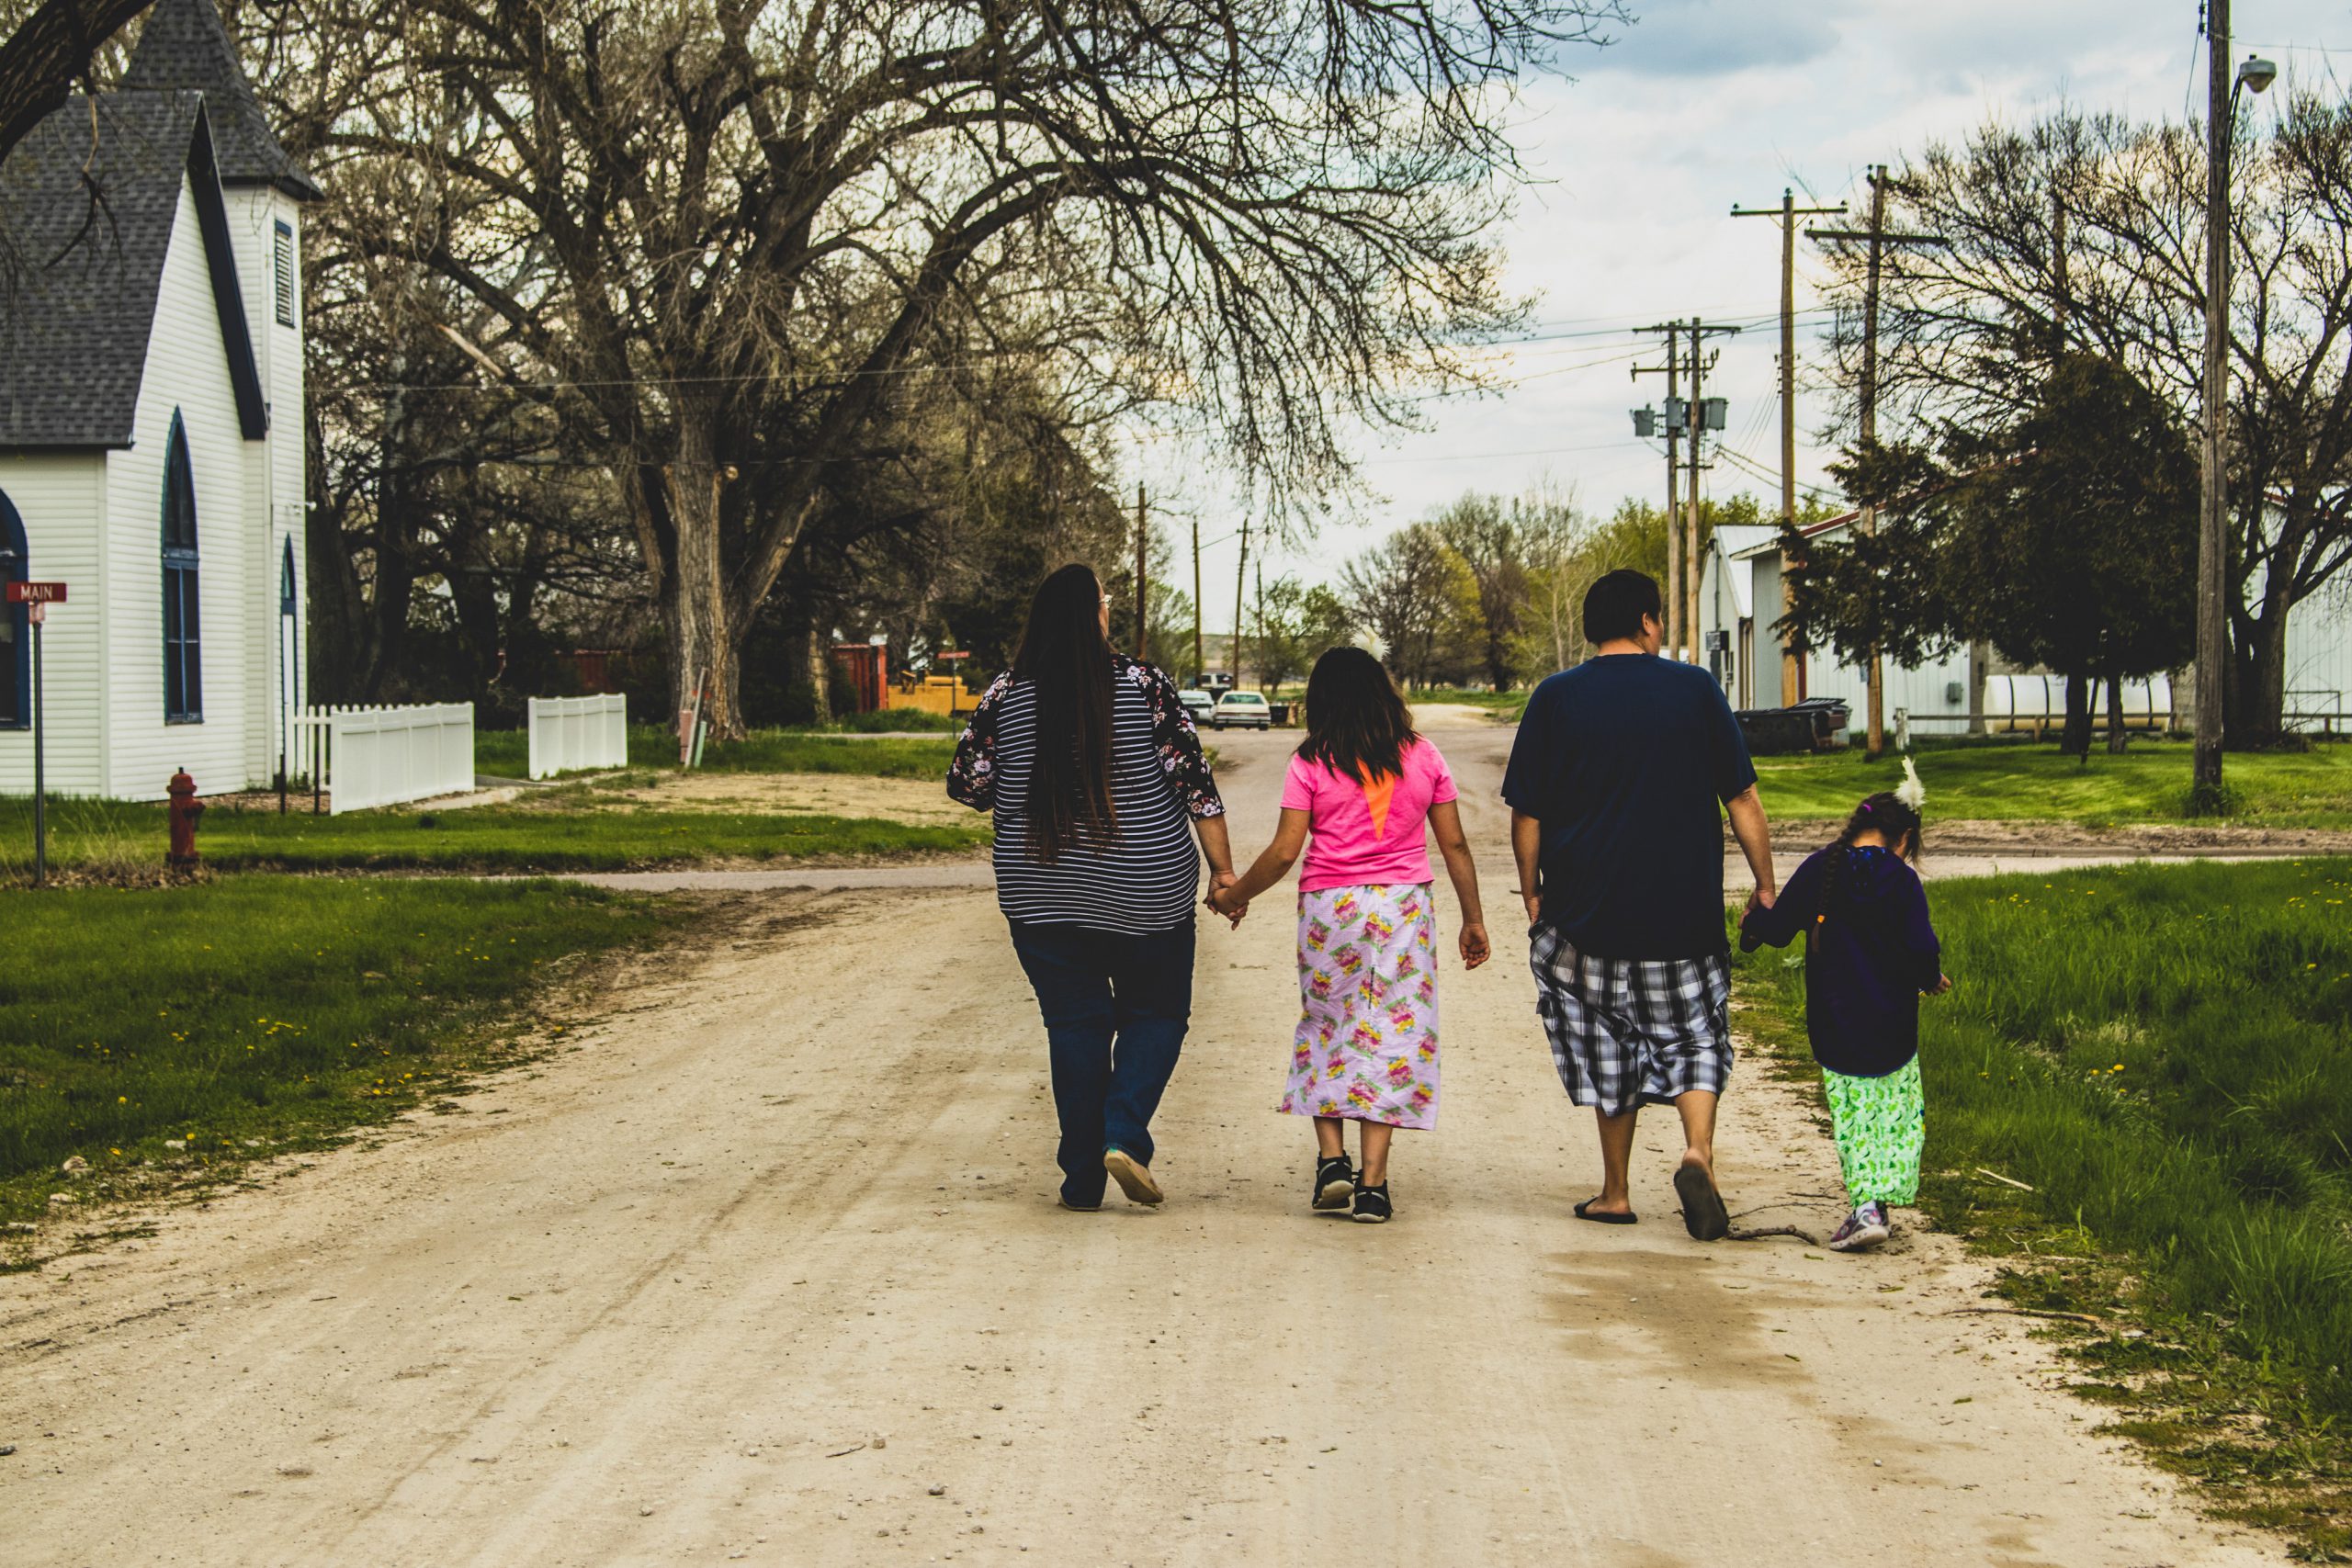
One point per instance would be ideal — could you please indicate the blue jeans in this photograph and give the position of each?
(1115, 1009)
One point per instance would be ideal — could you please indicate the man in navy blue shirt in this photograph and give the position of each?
(1615, 784)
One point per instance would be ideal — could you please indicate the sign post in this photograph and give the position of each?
(37, 597)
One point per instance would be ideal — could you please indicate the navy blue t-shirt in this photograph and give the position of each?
(1626, 759)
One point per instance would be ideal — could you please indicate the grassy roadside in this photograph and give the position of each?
(261, 1014)
(846, 747)
(2028, 782)
(117, 838)
(2164, 1057)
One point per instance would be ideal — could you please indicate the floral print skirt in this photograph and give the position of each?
(1366, 1047)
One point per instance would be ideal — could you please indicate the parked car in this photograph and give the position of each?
(1197, 703)
(1243, 710)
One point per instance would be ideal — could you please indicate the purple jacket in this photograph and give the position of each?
(1871, 951)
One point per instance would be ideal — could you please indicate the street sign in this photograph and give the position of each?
(36, 594)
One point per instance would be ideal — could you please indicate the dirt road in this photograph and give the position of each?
(765, 1267)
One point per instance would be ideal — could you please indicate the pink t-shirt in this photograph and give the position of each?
(1366, 835)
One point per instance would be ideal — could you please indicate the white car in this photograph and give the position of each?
(1241, 710)
(1197, 703)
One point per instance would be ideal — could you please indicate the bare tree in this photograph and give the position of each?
(2086, 233)
(1555, 533)
(732, 233)
(1418, 600)
(1490, 537)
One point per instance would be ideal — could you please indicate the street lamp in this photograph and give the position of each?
(2212, 531)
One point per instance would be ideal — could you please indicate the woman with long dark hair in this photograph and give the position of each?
(1363, 795)
(1093, 770)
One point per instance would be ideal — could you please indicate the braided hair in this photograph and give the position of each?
(1886, 814)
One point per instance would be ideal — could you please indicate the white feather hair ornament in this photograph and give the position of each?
(1912, 792)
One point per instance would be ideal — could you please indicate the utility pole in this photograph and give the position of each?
(1692, 419)
(1686, 570)
(1240, 575)
(1200, 658)
(2212, 521)
(1877, 239)
(1706, 413)
(1672, 370)
(1142, 534)
(1791, 657)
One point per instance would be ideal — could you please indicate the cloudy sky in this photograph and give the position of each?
(1702, 105)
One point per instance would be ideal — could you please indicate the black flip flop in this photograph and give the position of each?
(1584, 1211)
(1703, 1214)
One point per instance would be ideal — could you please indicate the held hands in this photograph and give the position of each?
(1475, 948)
(1221, 899)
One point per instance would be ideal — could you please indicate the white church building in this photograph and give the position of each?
(152, 424)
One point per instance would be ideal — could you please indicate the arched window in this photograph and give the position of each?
(183, 660)
(15, 627)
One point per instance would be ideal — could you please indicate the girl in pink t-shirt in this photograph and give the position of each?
(1361, 791)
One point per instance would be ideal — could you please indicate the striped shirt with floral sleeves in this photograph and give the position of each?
(1145, 879)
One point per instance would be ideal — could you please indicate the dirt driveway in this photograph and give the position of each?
(765, 1267)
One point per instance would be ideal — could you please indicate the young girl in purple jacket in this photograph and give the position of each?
(1870, 955)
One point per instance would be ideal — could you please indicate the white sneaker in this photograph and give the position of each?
(1864, 1228)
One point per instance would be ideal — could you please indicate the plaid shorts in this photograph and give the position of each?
(1632, 1032)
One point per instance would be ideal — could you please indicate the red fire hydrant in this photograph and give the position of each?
(186, 808)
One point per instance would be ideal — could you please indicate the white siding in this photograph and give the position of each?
(187, 370)
(2319, 652)
(1927, 689)
(58, 496)
(273, 476)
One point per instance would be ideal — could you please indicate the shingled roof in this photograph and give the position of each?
(184, 48)
(87, 201)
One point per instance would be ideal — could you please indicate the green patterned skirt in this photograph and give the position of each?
(1882, 1125)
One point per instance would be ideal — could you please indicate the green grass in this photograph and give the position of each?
(2019, 783)
(276, 1009)
(848, 746)
(570, 831)
(1505, 705)
(2164, 1054)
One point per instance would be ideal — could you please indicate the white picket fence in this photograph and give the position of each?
(578, 732)
(380, 756)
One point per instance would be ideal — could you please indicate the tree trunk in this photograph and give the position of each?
(2254, 714)
(817, 669)
(2075, 740)
(705, 644)
(336, 605)
(2117, 737)
(50, 51)
(395, 573)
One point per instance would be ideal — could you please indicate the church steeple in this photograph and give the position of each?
(184, 48)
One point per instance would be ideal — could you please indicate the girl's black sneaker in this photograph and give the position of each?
(1334, 1180)
(1372, 1205)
